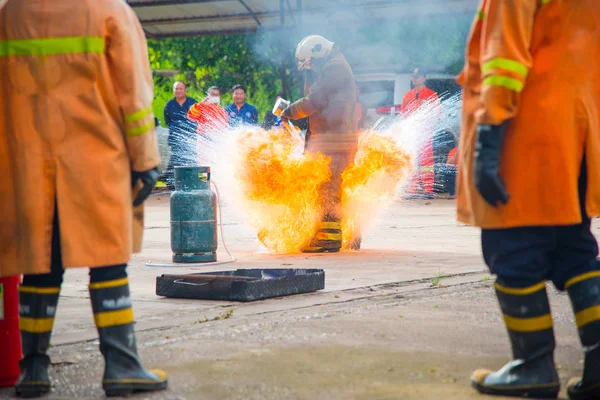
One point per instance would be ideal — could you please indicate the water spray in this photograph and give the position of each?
(272, 186)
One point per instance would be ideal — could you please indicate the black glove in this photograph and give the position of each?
(148, 179)
(286, 114)
(487, 163)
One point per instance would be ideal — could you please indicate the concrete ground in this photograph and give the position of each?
(407, 317)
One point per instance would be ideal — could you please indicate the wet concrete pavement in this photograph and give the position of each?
(407, 317)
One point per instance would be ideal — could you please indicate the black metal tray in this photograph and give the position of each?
(241, 285)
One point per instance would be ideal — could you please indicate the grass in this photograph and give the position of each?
(226, 315)
(435, 281)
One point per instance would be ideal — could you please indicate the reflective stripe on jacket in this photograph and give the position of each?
(535, 63)
(75, 98)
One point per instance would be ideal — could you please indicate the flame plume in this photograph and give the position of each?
(278, 185)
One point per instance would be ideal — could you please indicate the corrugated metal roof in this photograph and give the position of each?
(171, 18)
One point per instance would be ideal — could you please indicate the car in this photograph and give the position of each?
(381, 93)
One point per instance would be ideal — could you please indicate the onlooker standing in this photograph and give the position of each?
(271, 120)
(182, 137)
(208, 113)
(414, 99)
(241, 112)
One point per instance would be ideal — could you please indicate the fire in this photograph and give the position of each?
(370, 183)
(279, 186)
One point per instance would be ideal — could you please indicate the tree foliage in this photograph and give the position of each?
(221, 61)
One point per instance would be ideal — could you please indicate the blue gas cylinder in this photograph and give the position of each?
(193, 216)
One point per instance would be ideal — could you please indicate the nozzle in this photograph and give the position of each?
(280, 105)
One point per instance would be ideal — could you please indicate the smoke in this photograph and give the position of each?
(431, 34)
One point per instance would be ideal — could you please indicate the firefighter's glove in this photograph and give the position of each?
(487, 163)
(286, 114)
(149, 179)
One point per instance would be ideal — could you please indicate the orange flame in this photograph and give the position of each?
(279, 187)
(370, 183)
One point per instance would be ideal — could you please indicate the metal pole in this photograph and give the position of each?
(283, 75)
(300, 13)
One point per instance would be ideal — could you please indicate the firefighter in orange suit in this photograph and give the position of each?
(529, 177)
(76, 135)
(413, 100)
(329, 104)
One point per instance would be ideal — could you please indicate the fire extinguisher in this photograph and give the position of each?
(10, 334)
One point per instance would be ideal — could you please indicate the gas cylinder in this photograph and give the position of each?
(10, 334)
(193, 216)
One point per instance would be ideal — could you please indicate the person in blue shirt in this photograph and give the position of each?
(182, 131)
(241, 112)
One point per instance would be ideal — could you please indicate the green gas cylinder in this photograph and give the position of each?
(193, 216)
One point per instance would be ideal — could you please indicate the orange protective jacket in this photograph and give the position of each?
(75, 119)
(537, 64)
(412, 100)
(209, 117)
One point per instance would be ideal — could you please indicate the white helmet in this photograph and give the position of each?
(313, 46)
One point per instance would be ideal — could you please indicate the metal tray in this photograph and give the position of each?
(241, 285)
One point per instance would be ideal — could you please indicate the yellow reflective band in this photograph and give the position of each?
(328, 236)
(138, 115)
(52, 46)
(528, 324)
(39, 290)
(36, 325)
(426, 169)
(509, 83)
(521, 292)
(588, 315)
(582, 277)
(140, 130)
(109, 284)
(313, 248)
(113, 318)
(480, 15)
(506, 64)
(330, 225)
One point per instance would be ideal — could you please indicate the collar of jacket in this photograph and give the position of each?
(335, 51)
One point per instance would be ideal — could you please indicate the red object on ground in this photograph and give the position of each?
(10, 334)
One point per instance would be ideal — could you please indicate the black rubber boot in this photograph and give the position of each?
(584, 291)
(532, 372)
(327, 239)
(37, 308)
(123, 372)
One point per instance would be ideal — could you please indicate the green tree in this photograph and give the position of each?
(256, 60)
(221, 61)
